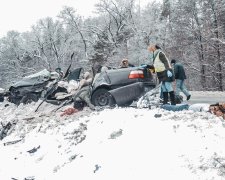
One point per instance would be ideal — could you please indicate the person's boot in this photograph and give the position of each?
(165, 97)
(188, 97)
(172, 98)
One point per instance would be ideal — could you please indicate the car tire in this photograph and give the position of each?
(14, 99)
(29, 98)
(102, 97)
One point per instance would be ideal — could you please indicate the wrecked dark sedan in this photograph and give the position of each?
(41, 85)
(121, 86)
(29, 88)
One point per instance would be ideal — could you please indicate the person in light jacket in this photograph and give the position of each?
(164, 73)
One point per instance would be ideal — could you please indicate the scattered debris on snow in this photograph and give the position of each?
(120, 143)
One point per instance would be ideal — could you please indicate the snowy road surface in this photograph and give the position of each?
(206, 97)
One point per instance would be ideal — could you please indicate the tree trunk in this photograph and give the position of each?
(216, 31)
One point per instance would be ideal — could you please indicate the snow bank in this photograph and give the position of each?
(120, 143)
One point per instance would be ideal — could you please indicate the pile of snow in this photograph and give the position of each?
(119, 143)
(2, 90)
(151, 98)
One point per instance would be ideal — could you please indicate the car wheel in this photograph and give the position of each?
(102, 97)
(29, 98)
(14, 99)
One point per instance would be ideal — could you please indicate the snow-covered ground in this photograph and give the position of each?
(119, 143)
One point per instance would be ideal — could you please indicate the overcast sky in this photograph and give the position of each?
(20, 15)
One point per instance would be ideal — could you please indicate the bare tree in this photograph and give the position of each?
(69, 18)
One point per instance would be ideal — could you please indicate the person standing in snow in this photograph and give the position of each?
(180, 76)
(164, 73)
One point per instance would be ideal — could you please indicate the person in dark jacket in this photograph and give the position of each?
(164, 72)
(180, 76)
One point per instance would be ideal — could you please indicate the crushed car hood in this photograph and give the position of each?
(34, 79)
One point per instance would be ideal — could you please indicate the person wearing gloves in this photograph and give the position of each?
(164, 73)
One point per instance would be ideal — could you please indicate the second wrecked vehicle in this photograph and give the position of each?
(43, 84)
(30, 88)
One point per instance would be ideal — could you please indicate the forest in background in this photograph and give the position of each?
(191, 31)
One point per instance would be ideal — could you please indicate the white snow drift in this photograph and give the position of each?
(119, 143)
